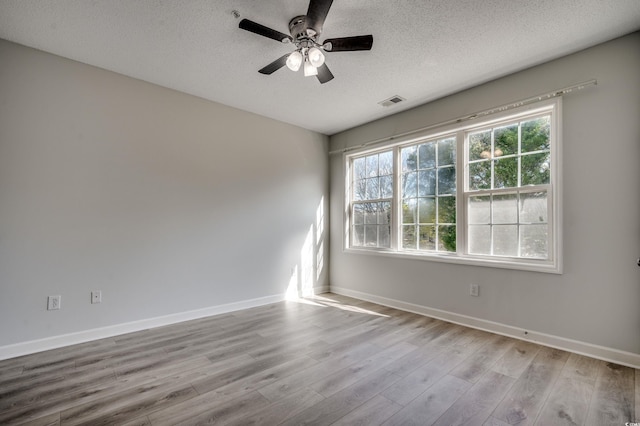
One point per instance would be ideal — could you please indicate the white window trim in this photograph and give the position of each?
(553, 265)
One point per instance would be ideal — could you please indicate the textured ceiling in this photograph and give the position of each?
(422, 50)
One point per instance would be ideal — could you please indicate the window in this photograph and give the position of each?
(508, 186)
(429, 195)
(372, 196)
(485, 193)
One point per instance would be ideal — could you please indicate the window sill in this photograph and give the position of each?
(529, 265)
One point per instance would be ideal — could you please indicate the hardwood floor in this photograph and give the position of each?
(327, 361)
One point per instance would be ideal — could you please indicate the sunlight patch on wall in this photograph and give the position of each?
(306, 274)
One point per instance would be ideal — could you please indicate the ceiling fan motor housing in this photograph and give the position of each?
(300, 30)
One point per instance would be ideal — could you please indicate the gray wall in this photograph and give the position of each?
(165, 202)
(597, 297)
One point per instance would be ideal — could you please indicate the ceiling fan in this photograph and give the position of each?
(305, 30)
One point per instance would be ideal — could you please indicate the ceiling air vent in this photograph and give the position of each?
(392, 101)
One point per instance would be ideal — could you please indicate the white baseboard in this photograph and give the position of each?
(594, 351)
(33, 346)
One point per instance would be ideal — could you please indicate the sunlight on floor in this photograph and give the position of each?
(319, 300)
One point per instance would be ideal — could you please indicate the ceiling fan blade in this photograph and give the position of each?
(324, 74)
(260, 29)
(317, 12)
(275, 65)
(345, 44)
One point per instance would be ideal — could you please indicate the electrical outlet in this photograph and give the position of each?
(474, 290)
(96, 296)
(53, 303)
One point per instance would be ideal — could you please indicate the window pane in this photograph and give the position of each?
(533, 207)
(372, 188)
(358, 214)
(384, 212)
(370, 213)
(536, 169)
(447, 180)
(385, 163)
(480, 175)
(447, 210)
(427, 237)
(480, 145)
(447, 238)
(505, 208)
(371, 235)
(505, 173)
(386, 187)
(535, 134)
(534, 241)
(358, 168)
(384, 238)
(409, 185)
(409, 236)
(479, 210)
(426, 183)
(505, 240)
(372, 165)
(427, 155)
(358, 235)
(447, 152)
(409, 162)
(506, 141)
(427, 210)
(409, 211)
(480, 239)
(359, 188)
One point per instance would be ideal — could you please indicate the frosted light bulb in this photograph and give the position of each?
(315, 57)
(294, 61)
(309, 69)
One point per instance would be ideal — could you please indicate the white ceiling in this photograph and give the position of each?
(422, 49)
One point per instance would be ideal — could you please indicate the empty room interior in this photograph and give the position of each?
(320, 212)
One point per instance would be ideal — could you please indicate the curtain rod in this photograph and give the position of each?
(501, 108)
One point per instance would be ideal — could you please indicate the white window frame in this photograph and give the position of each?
(554, 190)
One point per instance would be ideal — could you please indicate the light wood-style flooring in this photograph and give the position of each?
(330, 360)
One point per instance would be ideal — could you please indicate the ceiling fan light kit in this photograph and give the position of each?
(305, 30)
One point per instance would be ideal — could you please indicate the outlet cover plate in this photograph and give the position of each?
(96, 296)
(53, 303)
(474, 290)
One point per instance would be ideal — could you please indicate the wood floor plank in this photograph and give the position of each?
(477, 404)
(613, 401)
(345, 377)
(10, 372)
(50, 420)
(140, 421)
(246, 370)
(372, 413)
(189, 408)
(423, 378)
(583, 368)
(34, 393)
(515, 361)
(340, 404)
(431, 404)
(525, 399)
(294, 382)
(474, 367)
(280, 411)
(322, 360)
(130, 404)
(568, 403)
(492, 421)
(247, 403)
(261, 378)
